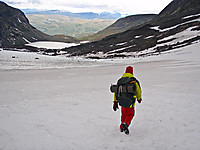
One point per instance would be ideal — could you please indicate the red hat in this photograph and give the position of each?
(129, 69)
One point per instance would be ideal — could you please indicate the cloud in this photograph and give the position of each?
(122, 6)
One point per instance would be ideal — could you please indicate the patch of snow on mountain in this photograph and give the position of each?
(181, 36)
(155, 28)
(19, 20)
(148, 37)
(34, 38)
(173, 27)
(138, 36)
(83, 42)
(121, 43)
(26, 40)
(120, 49)
(191, 16)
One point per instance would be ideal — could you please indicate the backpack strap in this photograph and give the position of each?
(132, 82)
(134, 79)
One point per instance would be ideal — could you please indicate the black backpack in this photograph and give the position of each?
(126, 90)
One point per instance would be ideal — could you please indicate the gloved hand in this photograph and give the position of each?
(139, 101)
(115, 106)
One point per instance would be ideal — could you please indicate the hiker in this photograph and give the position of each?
(127, 107)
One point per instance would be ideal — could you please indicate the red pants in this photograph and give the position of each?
(127, 115)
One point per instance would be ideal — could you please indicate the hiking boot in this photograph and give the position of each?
(125, 128)
(121, 130)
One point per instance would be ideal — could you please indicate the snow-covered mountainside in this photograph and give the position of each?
(71, 108)
(176, 26)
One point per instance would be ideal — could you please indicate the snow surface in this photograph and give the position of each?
(181, 36)
(191, 16)
(71, 107)
(121, 43)
(26, 40)
(51, 45)
(19, 20)
(12, 60)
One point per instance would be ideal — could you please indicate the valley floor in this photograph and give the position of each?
(71, 107)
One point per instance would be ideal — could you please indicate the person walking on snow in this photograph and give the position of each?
(127, 111)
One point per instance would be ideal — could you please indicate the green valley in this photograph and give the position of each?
(54, 24)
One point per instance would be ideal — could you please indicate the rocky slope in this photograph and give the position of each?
(121, 25)
(15, 29)
(176, 26)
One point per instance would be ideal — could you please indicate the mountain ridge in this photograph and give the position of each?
(83, 15)
(121, 25)
(15, 29)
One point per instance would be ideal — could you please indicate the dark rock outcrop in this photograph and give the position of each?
(15, 29)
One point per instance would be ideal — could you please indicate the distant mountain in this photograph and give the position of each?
(120, 25)
(85, 15)
(15, 29)
(176, 26)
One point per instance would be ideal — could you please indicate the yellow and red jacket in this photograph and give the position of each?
(138, 89)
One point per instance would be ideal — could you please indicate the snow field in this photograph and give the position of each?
(71, 108)
(51, 45)
(27, 60)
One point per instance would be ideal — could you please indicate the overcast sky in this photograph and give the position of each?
(122, 6)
